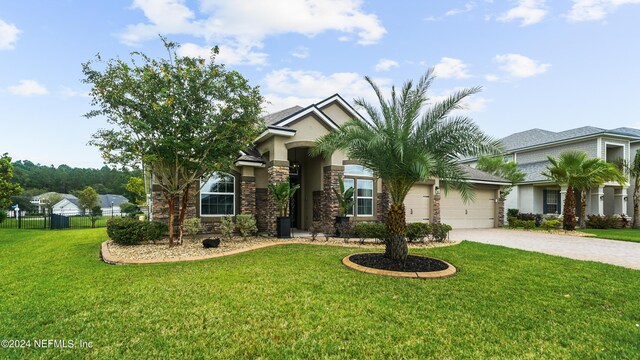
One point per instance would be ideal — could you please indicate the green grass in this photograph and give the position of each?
(615, 234)
(299, 301)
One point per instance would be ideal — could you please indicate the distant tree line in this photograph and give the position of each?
(36, 178)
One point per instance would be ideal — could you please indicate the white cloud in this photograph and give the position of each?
(528, 11)
(491, 77)
(385, 65)
(520, 66)
(284, 88)
(300, 52)
(467, 7)
(8, 35)
(590, 10)
(240, 55)
(245, 24)
(451, 68)
(28, 88)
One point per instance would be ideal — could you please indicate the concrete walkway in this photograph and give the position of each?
(621, 253)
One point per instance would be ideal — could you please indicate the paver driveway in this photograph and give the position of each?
(614, 252)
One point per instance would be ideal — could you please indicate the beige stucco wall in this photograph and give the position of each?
(308, 128)
(337, 114)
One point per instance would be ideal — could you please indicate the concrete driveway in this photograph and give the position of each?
(621, 253)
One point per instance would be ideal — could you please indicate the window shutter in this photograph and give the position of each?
(545, 207)
(559, 202)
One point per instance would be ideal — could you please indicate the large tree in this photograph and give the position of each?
(577, 172)
(88, 199)
(8, 188)
(182, 118)
(499, 166)
(633, 170)
(407, 142)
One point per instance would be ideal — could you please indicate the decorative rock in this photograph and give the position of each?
(211, 243)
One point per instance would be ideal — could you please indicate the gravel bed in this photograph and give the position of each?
(192, 247)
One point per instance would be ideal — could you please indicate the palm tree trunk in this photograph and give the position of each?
(569, 218)
(396, 244)
(583, 207)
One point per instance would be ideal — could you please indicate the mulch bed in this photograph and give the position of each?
(413, 263)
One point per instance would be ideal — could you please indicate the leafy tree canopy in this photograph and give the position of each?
(8, 188)
(88, 198)
(499, 166)
(181, 118)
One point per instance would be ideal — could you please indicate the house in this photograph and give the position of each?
(536, 194)
(109, 204)
(38, 200)
(282, 151)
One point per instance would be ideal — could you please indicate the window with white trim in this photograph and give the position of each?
(217, 195)
(552, 201)
(361, 179)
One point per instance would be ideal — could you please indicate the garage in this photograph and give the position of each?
(417, 204)
(477, 214)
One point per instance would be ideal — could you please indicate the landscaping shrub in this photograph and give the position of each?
(417, 231)
(527, 216)
(371, 230)
(246, 225)
(314, 229)
(551, 224)
(514, 222)
(154, 230)
(624, 221)
(440, 232)
(601, 221)
(192, 226)
(327, 230)
(125, 231)
(512, 213)
(227, 226)
(3, 216)
(528, 224)
(345, 230)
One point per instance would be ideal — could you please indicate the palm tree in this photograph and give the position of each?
(573, 169)
(405, 143)
(633, 169)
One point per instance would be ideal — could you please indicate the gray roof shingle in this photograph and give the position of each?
(478, 175)
(273, 118)
(535, 137)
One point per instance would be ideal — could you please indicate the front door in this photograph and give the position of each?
(294, 203)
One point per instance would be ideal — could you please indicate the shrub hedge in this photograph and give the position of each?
(127, 231)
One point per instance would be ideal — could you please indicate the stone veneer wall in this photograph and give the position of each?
(317, 205)
(261, 208)
(436, 209)
(161, 208)
(383, 204)
(248, 195)
(329, 201)
(278, 171)
(500, 212)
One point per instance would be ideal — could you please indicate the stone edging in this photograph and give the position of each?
(107, 257)
(415, 275)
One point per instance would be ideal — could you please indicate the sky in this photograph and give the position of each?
(554, 65)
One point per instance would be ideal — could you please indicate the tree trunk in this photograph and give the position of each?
(171, 202)
(183, 213)
(396, 244)
(583, 208)
(636, 201)
(569, 218)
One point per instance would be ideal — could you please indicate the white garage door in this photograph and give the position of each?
(417, 203)
(478, 214)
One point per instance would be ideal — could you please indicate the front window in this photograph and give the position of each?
(217, 195)
(360, 178)
(552, 202)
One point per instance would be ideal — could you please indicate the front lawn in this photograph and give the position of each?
(615, 234)
(300, 301)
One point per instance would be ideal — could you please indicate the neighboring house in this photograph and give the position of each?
(282, 151)
(536, 194)
(109, 204)
(38, 199)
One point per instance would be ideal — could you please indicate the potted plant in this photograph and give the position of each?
(345, 203)
(282, 192)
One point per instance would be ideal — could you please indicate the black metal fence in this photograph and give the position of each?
(55, 220)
